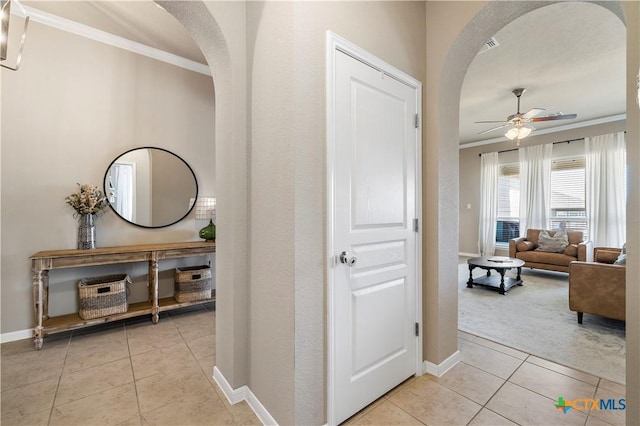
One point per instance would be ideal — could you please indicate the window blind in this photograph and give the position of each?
(568, 189)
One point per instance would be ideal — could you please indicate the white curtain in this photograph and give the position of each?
(535, 180)
(606, 204)
(489, 169)
(123, 182)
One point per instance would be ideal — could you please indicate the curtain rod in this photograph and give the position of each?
(515, 149)
(567, 141)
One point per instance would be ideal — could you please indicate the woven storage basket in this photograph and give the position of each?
(103, 296)
(193, 283)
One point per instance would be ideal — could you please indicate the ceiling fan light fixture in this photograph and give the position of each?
(8, 42)
(519, 132)
(512, 133)
(524, 131)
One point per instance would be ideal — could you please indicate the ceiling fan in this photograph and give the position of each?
(520, 122)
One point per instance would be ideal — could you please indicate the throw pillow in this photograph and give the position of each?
(622, 259)
(524, 246)
(571, 250)
(556, 244)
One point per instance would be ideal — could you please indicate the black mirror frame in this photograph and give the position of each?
(195, 180)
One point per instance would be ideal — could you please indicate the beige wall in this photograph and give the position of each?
(444, 22)
(73, 107)
(632, 16)
(288, 255)
(470, 174)
(219, 29)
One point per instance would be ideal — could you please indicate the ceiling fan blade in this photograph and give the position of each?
(493, 121)
(555, 117)
(495, 128)
(533, 112)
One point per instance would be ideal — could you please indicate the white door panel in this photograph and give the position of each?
(378, 161)
(374, 191)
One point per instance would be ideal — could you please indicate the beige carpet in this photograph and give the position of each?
(536, 319)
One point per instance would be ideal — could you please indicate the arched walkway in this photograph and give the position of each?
(487, 22)
(231, 185)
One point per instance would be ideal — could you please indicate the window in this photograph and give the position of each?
(568, 207)
(508, 223)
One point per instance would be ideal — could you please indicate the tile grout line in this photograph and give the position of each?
(403, 410)
(133, 373)
(528, 355)
(55, 395)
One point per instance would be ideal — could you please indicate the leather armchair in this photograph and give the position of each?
(598, 287)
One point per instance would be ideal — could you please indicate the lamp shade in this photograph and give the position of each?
(205, 208)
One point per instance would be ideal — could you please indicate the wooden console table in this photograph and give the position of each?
(44, 261)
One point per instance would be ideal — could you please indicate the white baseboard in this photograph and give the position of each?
(243, 393)
(438, 370)
(233, 395)
(16, 335)
(258, 408)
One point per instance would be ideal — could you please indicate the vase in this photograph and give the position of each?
(208, 232)
(86, 232)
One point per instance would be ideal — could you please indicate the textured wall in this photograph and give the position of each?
(632, 17)
(219, 29)
(288, 254)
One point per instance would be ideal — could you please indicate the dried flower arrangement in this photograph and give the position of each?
(89, 200)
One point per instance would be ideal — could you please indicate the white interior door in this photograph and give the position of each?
(373, 287)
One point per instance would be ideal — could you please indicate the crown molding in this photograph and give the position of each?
(556, 129)
(95, 34)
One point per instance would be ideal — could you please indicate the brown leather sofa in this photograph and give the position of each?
(598, 287)
(525, 248)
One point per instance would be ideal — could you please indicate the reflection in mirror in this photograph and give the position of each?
(150, 187)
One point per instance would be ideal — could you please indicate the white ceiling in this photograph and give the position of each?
(569, 56)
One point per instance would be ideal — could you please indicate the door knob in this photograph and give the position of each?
(348, 260)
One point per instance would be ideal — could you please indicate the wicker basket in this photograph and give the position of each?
(103, 296)
(192, 283)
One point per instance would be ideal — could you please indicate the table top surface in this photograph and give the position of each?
(137, 248)
(496, 262)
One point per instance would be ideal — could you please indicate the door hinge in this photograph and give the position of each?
(417, 121)
(416, 226)
(417, 329)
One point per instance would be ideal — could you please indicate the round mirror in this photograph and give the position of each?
(150, 187)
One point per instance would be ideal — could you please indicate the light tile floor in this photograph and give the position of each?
(494, 385)
(122, 373)
(137, 373)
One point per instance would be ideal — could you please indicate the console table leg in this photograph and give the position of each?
(153, 289)
(37, 339)
(39, 277)
(470, 282)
